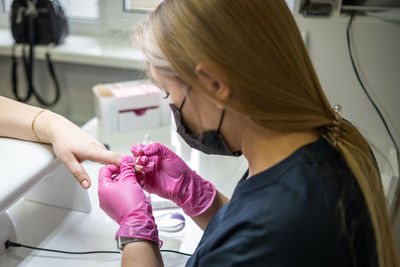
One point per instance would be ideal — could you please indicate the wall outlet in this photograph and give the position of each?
(7, 230)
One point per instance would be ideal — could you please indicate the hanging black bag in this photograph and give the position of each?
(36, 22)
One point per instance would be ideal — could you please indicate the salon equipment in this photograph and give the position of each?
(36, 22)
(7, 229)
(32, 171)
(16, 245)
(129, 106)
(162, 204)
(312, 9)
(170, 222)
(369, 5)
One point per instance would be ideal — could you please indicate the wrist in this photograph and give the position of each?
(141, 254)
(123, 241)
(48, 124)
(139, 226)
(42, 126)
(199, 195)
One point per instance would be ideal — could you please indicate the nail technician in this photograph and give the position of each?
(240, 81)
(71, 145)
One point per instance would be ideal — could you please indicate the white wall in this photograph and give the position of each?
(376, 47)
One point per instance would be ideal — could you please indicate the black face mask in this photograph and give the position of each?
(211, 142)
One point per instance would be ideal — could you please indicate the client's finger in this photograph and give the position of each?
(77, 171)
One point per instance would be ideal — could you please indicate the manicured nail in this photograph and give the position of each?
(85, 183)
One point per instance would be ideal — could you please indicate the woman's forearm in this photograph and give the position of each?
(139, 254)
(203, 219)
(16, 119)
(70, 144)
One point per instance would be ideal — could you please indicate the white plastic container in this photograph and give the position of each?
(128, 106)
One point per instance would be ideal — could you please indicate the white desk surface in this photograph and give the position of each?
(57, 228)
(19, 170)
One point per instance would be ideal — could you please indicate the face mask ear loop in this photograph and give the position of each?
(183, 102)
(220, 122)
(184, 99)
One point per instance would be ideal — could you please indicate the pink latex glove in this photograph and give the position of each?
(167, 175)
(123, 199)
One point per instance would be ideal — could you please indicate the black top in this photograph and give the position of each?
(306, 210)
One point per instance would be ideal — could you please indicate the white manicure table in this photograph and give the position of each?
(32, 171)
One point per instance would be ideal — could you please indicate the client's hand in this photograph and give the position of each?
(73, 146)
(168, 176)
(123, 199)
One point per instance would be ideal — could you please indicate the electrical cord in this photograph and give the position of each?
(14, 244)
(363, 86)
(9, 243)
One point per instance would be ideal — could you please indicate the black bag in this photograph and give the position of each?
(36, 22)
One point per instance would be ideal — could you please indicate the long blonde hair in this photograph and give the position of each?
(257, 44)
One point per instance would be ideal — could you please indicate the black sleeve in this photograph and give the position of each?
(238, 249)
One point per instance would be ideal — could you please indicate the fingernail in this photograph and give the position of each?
(85, 183)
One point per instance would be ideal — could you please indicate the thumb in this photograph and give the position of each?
(127, 168)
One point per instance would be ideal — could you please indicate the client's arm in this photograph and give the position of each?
(71, 145)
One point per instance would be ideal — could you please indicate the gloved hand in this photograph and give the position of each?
(167, 175)
(123, 199)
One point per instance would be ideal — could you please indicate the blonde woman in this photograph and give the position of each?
(240, 81)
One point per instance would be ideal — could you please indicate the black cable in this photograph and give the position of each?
(363, 87)
(14, 244)
(9, 243)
